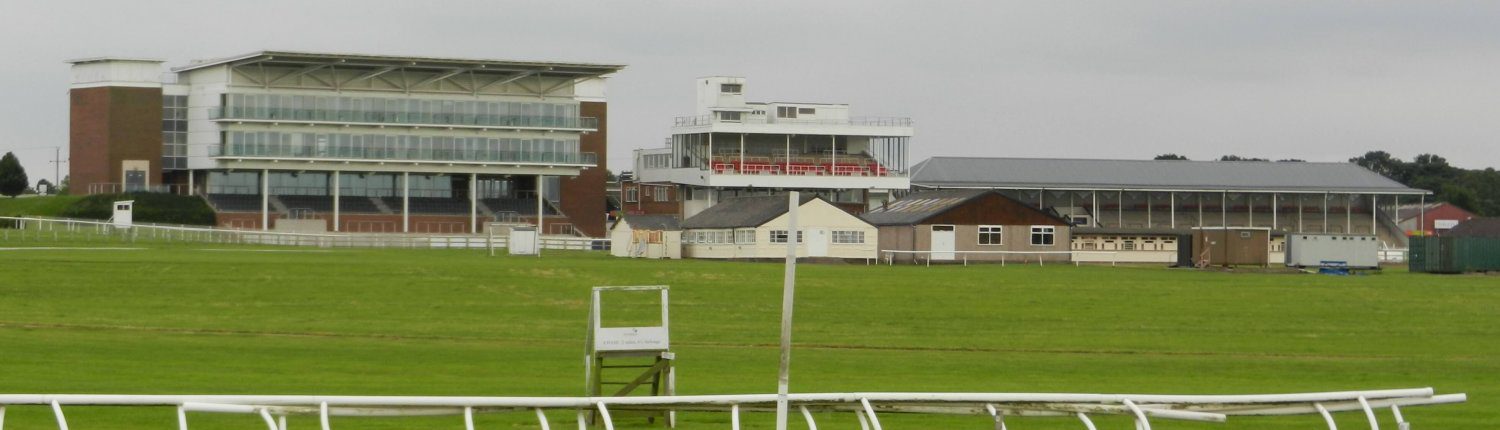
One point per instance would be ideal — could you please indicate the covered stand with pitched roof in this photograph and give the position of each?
(646, 236)
(756, 228)
(1138, 208)
(971, 225)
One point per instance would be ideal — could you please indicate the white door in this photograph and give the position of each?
(942, 242)
(817, 242)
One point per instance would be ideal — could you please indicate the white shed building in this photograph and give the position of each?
(756, 227)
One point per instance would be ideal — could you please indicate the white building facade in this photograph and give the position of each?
(733, 148)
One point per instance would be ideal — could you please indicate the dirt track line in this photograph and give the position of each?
(823, 346)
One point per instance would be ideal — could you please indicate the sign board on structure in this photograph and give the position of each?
(1444, 224)
(123, 211)
(523, 240)
(615, 339)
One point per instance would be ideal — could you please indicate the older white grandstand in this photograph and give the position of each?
(731, 148)
(1142, 205)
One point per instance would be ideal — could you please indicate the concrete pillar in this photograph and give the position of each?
(1374, 203)
(1172, 200)
(1275, 210)
(1224, 210)
(1095, 195)
(1348, 214)
(190, 182)
(1325, 213)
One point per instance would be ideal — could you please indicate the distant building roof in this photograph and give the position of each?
(1410, 211)
(653, 222)
(410, 62)
(1150, 175)
(918, 206)
(1477, 227)
(742, 212)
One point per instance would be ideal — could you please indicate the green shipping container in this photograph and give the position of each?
(1453, 254)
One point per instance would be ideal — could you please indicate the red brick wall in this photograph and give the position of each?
(583, 195)
(646, 202)
(109, 125)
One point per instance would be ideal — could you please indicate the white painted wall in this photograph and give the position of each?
(117, 72)
(813, 214)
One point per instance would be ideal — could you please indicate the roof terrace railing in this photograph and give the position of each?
(404, 119)
(399, 153)
(868, 121)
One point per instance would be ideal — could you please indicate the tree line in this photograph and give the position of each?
(1475, 190)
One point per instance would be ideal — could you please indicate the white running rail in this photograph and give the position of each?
(963, 256)
(1141, 407)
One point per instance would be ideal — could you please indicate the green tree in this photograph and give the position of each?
(1380, 162)
(13, 180)
(1170, 157)
(62, 188)
(1239, 158)
(47, 185)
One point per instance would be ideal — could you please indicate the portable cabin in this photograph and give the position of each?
(1231, 246)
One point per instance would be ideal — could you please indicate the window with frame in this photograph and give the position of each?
(632, 195)
(848, 236)
(807, 111)
(744, 236)
(991, 235)
(731, 88)
(729, 116)
(780, 236)
(786, 112)
(1043, 235)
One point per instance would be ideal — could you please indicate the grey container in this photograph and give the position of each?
(1313, 250)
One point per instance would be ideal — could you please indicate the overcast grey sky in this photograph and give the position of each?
(1321, 81)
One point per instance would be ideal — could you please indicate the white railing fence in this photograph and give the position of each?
(994, 407)
(963, 256)
(1392, 255)
(64, 229)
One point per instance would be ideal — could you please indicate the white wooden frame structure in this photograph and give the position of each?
(272, 410)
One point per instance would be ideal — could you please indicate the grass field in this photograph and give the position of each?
(180, 319)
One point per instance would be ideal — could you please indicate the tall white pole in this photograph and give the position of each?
(789, 286)
(405, 202)
(265, 199)
(336, 186)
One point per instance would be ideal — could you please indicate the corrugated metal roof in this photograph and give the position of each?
(918, 206)
(742, 212)
(957, 172)
(653, 222)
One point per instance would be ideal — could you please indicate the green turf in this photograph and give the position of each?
(178, 319)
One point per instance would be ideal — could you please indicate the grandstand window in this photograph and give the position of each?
(848, 236)
(744, 236)
(1043, 235)
(991, 235)
(731, 88)
(807, 111)
(786, 112)
(779, 236)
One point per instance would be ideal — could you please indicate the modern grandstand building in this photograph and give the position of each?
(733, 148)
(366, 143)
(1143, 206)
